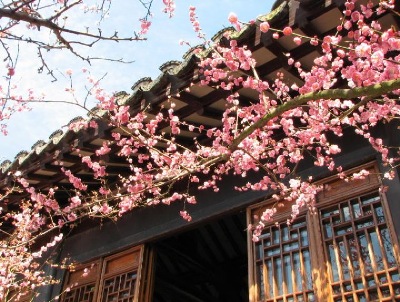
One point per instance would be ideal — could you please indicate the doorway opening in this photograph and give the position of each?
(205, 264)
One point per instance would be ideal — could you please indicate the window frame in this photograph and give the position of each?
(142, 264)
(335, 191)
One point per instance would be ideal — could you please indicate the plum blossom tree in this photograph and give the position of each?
(353, 84)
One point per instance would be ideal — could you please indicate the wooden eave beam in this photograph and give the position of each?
(197, 104)
(177, 83)
(49, 167)
(212, 113)
(69, 158)
(172, 85)
(275, 64)
(189, 99)
(117, 170)
(338, 3)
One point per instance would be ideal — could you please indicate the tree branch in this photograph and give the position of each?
(47, 23)
(370, 91)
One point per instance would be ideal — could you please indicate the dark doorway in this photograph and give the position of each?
(206, 264)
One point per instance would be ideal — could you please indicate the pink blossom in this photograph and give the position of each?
(341, 53)
(264, 27)
(268, 214)
(363, 50)
(297, 40)
(23, 182)
(355, 16)
(104, 191)
(169, 7)
(347, 25)
(191, 200)
(10, 71)
(105, 209)
(122, 115)
(377, 58)
(232, 18)
(361, 174)
(334, 149)
(75, 201)
(185, 215)
(75, 181)
(287, 31)
(72, 217)
(105, 149)
(145, 26)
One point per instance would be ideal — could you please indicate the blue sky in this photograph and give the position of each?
(162, 45)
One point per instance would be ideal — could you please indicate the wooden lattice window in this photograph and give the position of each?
(344, 251)
(120, 274)
(123, 277)
(361, 258)
(283, 263)
(80, 284)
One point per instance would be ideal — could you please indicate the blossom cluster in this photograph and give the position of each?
(371, 57)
